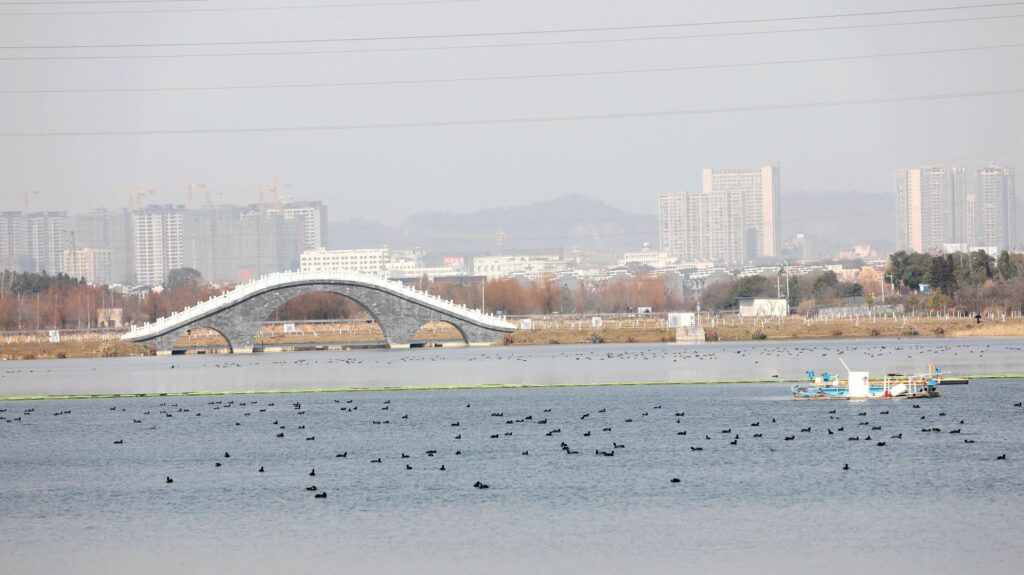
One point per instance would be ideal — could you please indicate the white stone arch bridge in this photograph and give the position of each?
(399, 310)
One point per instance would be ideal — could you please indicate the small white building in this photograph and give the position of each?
(646, 257)
(763, 306)
(110, 317)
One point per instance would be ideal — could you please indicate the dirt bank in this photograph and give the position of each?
(554, 333)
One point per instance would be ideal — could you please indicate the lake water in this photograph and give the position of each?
(435, 367)
(71, 500)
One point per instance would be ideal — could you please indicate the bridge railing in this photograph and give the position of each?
(243, 290)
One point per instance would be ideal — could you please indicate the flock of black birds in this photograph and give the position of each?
(898, 350)
(586, 432)
(754, 353)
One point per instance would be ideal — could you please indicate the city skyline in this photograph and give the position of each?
(734, 219)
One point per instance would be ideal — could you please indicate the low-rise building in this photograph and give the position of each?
(528, 266)
(646, 257)
(763, 306)
(372, 261)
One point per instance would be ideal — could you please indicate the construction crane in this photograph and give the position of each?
(277, 197)
(25, 199)
(259, 191)
(134, 198)
(191, 188)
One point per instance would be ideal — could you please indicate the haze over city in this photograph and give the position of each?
(409, 64)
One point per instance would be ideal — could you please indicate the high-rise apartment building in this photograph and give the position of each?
(733, 219)
(109, 230)
(931, 208)
(679, 225)
(936, 212)
(995, 207)
(211, 242)
(33, 242)
(157, 239)
(231, 243)
(744, 212)
(12, 241)
(270, 241)
(45, 239)
(91, 264)
(313, 216)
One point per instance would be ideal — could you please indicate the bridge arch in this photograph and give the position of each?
(399, 310)
(345, 301)
(419, 335)
(186, 332)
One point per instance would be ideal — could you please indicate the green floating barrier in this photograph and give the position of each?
(438, 387)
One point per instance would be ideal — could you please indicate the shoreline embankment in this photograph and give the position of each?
(482, 386)
(550, 332)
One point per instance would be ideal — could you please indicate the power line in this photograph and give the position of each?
(56, 2)
(223, 9)
(508, 76)
(512, 44)
(522, 120)
(504, 33)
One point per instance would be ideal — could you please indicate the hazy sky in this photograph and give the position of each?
(387, 173)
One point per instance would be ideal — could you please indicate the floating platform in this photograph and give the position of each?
(824, 394)
(858, 385)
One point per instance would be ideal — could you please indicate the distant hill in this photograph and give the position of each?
(353, 234)
(838, 220)
(559, 224)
